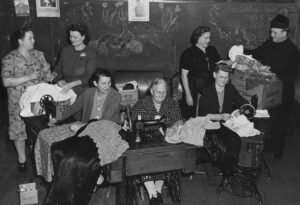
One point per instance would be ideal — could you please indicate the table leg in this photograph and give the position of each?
(265, 167)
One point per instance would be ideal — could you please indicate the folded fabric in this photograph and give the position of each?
(106, 136)
(34, 93)
(262, 114)
(192, 132)
(242, 126)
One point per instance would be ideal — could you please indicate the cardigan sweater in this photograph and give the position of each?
(85, 103)
(209, 103)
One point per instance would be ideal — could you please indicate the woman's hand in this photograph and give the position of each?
(61, 83)
(226, 116)
(50, 76)
(189, 100)
(66, 87)
(34, 76)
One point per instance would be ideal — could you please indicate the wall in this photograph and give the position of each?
(150, 45)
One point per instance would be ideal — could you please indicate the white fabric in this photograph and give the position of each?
(234, 51)
(261, 114)
(242, 126)
(35, 92)
(192, 132)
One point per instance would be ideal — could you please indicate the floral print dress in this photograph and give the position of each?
(15, 65)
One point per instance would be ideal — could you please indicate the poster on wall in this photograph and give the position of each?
(138, 10)
(47, 8)
(21, 7)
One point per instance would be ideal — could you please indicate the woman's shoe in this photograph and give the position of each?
(22, 166)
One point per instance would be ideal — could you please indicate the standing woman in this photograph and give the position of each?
(21, 68)
(196, 64)
(77, 61)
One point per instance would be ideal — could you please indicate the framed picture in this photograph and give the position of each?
(47, 8)
(138, 10)
(21, 7)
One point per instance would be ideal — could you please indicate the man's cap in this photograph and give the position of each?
(280, 21)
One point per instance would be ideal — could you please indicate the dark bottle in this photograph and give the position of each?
(254, 101)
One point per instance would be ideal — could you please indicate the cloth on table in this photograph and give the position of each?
(191, 132)
(242, 126)
(34, 93)
(42, 149)
(106, 136)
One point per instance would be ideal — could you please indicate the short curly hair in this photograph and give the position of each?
(17, 35)
(82, 29)
(198, 32)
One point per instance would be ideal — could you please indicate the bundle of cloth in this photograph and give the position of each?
(247, 62)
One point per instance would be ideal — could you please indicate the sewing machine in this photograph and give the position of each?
(137, 134)
(53, 108)
(48, 104)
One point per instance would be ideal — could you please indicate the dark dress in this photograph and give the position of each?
(200, 66)
(76, 65)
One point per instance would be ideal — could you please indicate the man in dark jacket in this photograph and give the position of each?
(282, 55)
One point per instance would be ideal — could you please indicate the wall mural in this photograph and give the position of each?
(115, 37)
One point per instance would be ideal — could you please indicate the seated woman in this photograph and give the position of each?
(154, 107)
(220, 98)
(99, 102)
(217, 103)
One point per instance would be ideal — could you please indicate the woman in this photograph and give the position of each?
(217, 103)
(196, 64)
(21, 68)
(77, 61)
(219, 99)
(154, 107)
(99, 102)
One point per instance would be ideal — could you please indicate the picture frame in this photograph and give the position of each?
(138, 10)
(22, 8)
(47, 8)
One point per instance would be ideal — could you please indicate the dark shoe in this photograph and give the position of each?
(22, 166)
(159, 198)
(153, 201)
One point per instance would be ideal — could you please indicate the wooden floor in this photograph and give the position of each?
(282, 189)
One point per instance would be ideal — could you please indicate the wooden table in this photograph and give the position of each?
(160, 157)
(144, 158)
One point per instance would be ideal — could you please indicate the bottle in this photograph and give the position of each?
(254, 101)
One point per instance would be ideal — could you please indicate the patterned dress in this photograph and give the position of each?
(146, 109)
(15, 65)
